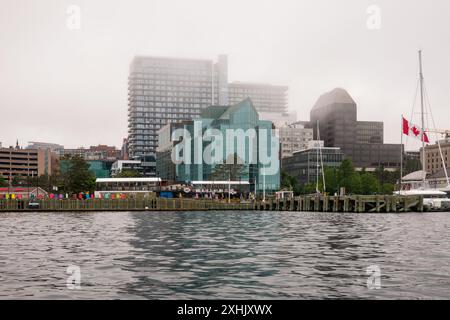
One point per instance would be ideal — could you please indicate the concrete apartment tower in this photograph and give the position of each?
(271, 101)
(162, 90)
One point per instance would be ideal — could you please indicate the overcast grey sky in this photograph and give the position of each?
(70, 86)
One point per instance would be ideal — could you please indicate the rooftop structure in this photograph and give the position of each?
(53, 147)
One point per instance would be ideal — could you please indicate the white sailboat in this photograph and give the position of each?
(434, 199)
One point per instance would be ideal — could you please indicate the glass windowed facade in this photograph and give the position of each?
(243, 136)
(163, 90)
(266, 98)
(303, 164)
(361, 141)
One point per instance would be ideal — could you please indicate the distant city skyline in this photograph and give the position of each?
(65, 85)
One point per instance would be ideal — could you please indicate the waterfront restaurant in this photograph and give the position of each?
(224, 189)
(220, 186)
(134, 186)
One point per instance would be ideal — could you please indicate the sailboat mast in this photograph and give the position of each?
(402, 149)
(324, 187)
(317, 158)
(422, 110)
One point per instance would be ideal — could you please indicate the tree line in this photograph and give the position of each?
(76, 177)
(345, 176)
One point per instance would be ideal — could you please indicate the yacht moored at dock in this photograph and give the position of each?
(433, 200)
(418, 185)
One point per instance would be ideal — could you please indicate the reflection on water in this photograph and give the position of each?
(208, 255)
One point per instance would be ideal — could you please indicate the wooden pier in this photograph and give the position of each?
(356, 204)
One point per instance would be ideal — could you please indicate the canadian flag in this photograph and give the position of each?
(411, 129)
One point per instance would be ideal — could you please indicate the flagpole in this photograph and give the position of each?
(401, 157)
(423, 118)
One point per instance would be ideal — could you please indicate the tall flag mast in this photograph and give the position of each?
(423, 117)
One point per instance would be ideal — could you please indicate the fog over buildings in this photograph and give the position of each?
(69, 86)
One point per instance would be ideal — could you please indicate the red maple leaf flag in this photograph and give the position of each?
(411, 129)
(405, 127)
(415, 131)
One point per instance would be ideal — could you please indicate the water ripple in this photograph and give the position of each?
(228, 255)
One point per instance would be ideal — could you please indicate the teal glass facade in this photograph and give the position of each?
(222, 133)
(100, 169)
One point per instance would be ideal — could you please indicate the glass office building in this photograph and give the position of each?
(360, 141)
(224, 133)
(306, 165)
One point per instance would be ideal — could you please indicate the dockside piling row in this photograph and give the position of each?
(356, 204)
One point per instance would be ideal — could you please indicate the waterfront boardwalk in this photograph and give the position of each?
(311, 203)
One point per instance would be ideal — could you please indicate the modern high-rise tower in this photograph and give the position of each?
(335, 114)
(163, 90)
(267, 98)
(271, 101)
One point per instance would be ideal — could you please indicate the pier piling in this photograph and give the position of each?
(319, 203)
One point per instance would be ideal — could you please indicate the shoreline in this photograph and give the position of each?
(343, 204)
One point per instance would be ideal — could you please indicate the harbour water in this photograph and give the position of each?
(225, 255)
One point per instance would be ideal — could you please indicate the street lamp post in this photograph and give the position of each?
(229, 187)
(264, 184)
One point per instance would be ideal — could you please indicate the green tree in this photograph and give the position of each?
(412, 165)
(18, 180)
(369, 184)
(44, 181)
(288, 182)
(331, 180)
(78, 177)
(346, 168)
(308, 188)
(387, 188)
(3, 182)
(385, 176)
(355, 185)
(232, 169)
(349, 178)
